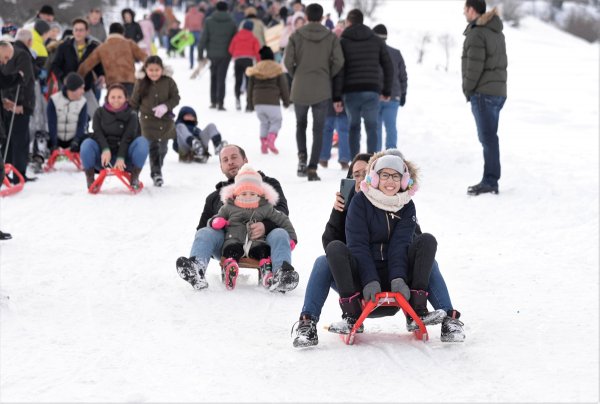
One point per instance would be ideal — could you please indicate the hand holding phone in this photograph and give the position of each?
(346, 188)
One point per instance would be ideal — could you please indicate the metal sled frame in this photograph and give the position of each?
(388, 299)
(243, 263)
(71, 156)
(124, 176)
(10, 188)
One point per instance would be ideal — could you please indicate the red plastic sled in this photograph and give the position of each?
(124, 176)
(10, 188)
(388, 299)
(71, 156)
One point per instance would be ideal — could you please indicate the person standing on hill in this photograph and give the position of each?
(484, 75)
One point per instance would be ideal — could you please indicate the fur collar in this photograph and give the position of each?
(264, 70)
(271, 195)
(167, 71)
(487, 17)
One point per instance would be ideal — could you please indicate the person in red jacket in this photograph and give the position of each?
(244, 49)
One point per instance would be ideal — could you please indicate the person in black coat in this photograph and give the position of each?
(133, 30)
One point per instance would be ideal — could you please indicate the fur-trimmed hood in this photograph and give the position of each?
(264, 70)
(413, 170)
(270, 194)
(490, 20)
(167, 71)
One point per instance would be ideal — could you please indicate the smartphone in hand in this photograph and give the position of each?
(346, 188)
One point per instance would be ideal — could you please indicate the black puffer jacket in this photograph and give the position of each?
(213, 202)
(364, 54)
(23, 61)
(115, 130)
(133, 31)
(66, 61)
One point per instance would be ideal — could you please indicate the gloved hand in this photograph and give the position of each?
(370, 290)
(160, 110)
(403, 99)
(74, 146)
(292, 245)
(398, 285)
(218, 223)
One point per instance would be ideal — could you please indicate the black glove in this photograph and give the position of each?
(403, 99)
(74, 146)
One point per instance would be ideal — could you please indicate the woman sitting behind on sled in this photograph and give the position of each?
(246, 201)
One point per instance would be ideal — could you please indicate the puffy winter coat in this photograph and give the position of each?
(400, 79)
(162, 91)
(115, 130)
(67, 119)
(364, 54)
(267, 84)
(313, 56)
(258, 28)
(484, 58)
(133, 31)
(219, 29)
(22, 60)
(66, 60)
(379, 240)
(244, 44)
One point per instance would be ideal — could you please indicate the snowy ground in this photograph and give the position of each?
(98, 313)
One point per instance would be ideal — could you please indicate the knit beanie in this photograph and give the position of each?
(381, 31)
(392, 162)
(73, 81)
(266, 53)
(248, 25)
(247, 179)
(222, 6)
(46, 9)
(41, 27)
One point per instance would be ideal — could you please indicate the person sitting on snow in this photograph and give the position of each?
(208, 242)
(192, 143)
(250, 199)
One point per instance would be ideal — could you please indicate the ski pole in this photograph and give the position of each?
(12, 120)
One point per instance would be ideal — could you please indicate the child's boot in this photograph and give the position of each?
(231, 270)
(264, 145)
(271, 137)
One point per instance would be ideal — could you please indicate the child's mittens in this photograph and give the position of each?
(218, 223)
(160, 110)
(292, 245)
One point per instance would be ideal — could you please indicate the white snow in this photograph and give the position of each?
(98, 313)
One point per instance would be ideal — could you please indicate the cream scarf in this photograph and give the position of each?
(388, 203)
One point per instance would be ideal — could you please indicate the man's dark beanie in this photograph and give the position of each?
(41, 27)
(266, 53)
(46, 9)
(380, 30)
(222, 6)
(248, 25)
(73, 81)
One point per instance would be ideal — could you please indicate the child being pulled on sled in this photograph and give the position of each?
(192, 143)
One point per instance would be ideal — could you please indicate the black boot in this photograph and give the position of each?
(285, 279)
(312, 174)
(135, 177)
(351, 311)
(89, 177)
(418, 301)
(302, 165)
(306, 333)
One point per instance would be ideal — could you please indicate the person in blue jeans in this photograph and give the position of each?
(339, 122)
(321, 279)
(484, 76)
(208, 242)
(388, 110)
(115, 140)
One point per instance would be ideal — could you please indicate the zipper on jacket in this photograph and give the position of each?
(388, 226)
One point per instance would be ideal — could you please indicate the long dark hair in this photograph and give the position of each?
(146, 82)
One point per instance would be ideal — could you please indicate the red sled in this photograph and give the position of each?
(63, 153)
(388, 299)
(9, 187)
(124, 176)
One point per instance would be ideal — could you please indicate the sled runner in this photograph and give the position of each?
(123, 176)
(200, 68)
(384, 299)
(8, 187)
(63, 154)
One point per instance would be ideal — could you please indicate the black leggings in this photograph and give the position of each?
(257, 252)
(240, 67)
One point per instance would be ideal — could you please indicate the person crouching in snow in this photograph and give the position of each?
(155, 95)
(192, 143)
(246, 201)
(115, 139)
(267, 84)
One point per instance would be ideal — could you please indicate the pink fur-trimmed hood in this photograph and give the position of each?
(270, 194)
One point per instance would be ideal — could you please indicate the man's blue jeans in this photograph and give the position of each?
(388, 111)
(362, 104)
(486, 110)
(339, 122)
(136, 154)
(320, 280)
(208, 243)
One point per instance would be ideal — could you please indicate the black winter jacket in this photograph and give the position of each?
(213, 202)
(133, 31)
(66, 61)
(115, 130)
(22, 60)
(364, 54)
(400, 80)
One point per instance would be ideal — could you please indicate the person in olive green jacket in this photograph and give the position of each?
(155, 95)
(219, 30)
(313, 56)
(484, 64)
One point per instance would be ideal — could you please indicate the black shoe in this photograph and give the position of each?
(191, 271)
(5, 236)
(302, 165)
(212, 105)
(285, 279)
(452, 328)
(312, 174)
(221, 108)
(482, 188)
(238, 104)
(306, 333)
(158, 180)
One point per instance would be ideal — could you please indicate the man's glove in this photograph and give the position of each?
(399, 286)
(218, 223)
(371, 290)
(403, 99)
(74, 146)
(160, 110)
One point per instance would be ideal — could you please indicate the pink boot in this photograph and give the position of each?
(271, 137)
(264, 145)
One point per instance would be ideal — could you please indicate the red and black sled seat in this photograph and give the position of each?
(63, 154)
(8, 188)
(123, 176)
(383, 300)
